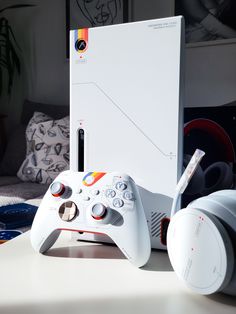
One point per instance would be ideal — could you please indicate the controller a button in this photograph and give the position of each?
(98, 211)
(110, 193)
(128, 195)
(57, 189)
(121, 186)
(117, 202)
(68, 211)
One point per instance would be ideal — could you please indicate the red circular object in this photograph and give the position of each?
(216, 131)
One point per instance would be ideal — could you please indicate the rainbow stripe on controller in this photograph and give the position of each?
(92, 177)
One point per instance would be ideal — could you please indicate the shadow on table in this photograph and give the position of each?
(87, 251)
(158, 261)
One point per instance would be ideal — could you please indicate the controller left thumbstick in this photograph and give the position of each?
(57, 189)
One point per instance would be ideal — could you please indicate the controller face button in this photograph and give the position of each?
(121, 186)
(128, 195)
(98, 211)
(110, 193)
(68, 211)
(117, 202)
(57, 189)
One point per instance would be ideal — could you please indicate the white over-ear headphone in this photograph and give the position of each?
(201, 242)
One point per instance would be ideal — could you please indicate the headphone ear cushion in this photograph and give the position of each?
(231, 287)
(218, 176)
(197, 182)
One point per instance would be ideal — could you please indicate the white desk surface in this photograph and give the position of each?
(89, 278)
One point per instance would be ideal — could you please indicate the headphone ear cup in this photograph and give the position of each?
(197, 182)
(218, 176)
(200, 249)
(231, 287)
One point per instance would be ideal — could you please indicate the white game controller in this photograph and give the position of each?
(94, 202)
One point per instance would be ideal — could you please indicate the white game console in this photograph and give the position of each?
(126, 88)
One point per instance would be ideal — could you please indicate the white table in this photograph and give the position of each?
(90, 278)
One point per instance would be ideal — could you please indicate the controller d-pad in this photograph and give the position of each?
(110, 193)
(68, 211)
(121, 186)
(117, 202)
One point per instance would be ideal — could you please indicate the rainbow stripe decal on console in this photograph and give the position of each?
(92, 177)
(81, 40)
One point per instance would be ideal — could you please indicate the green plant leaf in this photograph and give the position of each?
(9, 59)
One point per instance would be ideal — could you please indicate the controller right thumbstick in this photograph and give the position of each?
(98, 211)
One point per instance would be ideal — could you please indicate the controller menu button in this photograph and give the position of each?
(109, 193)
(117, 202)
(121, 186)
(95, 192)
(68, 211)
(57, 189)
(86, 198)
(98, 211)
(128, 195)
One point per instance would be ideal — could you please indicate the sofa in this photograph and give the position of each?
(12, 189)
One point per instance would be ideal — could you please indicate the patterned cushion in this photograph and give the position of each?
(47, 151)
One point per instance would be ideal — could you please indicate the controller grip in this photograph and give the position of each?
(41, 242)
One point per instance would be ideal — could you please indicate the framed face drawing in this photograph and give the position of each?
(208, 20)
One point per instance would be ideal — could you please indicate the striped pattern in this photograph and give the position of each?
(156, 218)
(92, 177)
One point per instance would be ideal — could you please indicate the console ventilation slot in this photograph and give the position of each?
(156, 218)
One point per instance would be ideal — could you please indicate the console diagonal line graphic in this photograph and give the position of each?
(128, 117)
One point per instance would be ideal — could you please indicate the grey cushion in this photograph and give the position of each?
(47, 149)
(7, 180)
(17, 193)
(15, 152)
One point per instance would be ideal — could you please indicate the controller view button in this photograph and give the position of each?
(121, 186)
(68, 211)
(118, 203)
(57, 189)
(128, 195)
(110, 193)
(98, 211)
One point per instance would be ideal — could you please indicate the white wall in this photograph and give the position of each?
(41, 33)
(50, 68)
